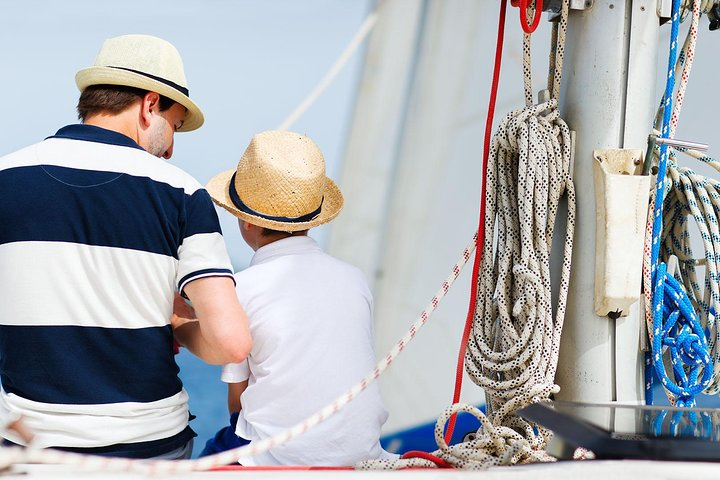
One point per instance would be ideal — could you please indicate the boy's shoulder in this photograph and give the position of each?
(342, 264)
(347, 273)
(335, 269)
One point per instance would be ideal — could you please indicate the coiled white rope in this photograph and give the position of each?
(513, 349)
(514, 346)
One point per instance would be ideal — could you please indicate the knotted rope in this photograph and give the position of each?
(497, 445)
(515, 341)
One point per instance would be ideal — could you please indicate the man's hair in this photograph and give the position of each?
(112, 99)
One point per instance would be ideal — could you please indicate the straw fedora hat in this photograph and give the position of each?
(279, 183)
(145, 62)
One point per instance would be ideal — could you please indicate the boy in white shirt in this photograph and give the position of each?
(310, 314)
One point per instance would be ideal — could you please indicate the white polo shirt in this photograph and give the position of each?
(310, 318)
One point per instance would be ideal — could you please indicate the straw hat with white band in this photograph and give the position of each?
(145, 62)
(279, 184)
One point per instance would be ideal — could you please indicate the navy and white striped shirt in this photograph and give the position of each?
(96, 234)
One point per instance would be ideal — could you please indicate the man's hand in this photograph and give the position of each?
(219, 333)
(182, 312)
(183, 309)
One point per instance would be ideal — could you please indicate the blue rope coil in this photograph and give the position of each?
(675, 323)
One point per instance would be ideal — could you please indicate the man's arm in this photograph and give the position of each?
(220, 334)
(234, 392)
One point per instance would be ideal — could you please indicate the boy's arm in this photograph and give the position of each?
(220, 334)
(234, 392)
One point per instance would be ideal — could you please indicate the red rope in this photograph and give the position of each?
(427, 456)
(523, 16)
(481, 223)
(232, 468)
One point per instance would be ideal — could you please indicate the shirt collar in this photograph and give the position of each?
(92, 133)
(287, 246)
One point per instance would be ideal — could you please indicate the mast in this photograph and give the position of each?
(608, 98)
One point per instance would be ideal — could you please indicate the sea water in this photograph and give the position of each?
(208, 397)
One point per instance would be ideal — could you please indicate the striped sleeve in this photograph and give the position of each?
(202, 252)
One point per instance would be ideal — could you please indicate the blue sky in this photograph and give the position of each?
(249, 63)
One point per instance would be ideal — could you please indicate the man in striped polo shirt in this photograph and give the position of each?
(98, 234)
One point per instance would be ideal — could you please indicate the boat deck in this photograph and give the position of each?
(569, 470)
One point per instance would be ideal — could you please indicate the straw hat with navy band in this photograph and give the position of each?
(145, 62)
(279, 184)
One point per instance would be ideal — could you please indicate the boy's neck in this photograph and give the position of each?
(263, 240)
(257, 237)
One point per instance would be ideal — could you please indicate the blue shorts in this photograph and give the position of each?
(224, 439)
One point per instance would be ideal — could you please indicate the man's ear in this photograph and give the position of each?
(150, 104)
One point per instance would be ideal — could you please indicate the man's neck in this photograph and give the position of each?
(121, 123)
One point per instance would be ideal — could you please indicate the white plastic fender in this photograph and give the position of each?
(621, 198)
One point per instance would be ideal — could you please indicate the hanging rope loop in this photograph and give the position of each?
(514, 343)
(527, 12)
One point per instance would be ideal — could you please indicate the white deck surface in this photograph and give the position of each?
(575, 470)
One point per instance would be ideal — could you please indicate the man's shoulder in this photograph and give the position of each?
(117, 158)
(141, 163)
(20, 157)
(174, 175)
